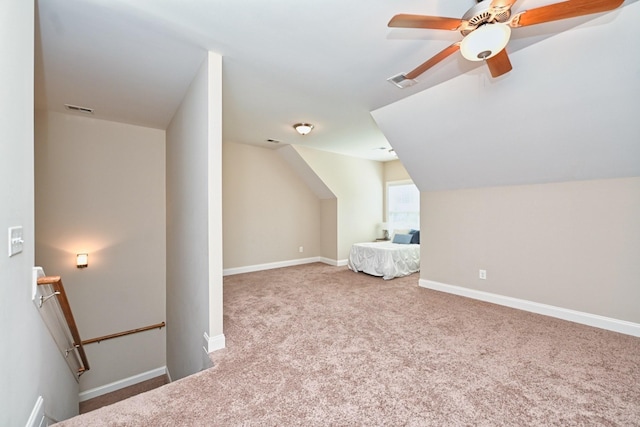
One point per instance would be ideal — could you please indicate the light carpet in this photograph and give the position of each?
(317, 345)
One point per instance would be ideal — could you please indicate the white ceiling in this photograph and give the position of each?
(563, 119)
(323, 62)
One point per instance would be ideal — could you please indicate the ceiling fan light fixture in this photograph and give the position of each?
(303, 128)
(485, 42)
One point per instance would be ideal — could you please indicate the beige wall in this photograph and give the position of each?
(329, 229)
(100, 189)
(358, 185)
(194, 249)
(574, 245)
(395, 171)
(269, 212)
(30, 363)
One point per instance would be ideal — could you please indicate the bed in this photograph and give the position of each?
(385, 259)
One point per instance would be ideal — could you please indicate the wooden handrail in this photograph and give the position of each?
(120, 334)
(56, 283)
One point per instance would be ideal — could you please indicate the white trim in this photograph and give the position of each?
(36, 273)
(280, 264)
(125, 382)
(214, 343)
(329, 261)
(334, 262)
(595, 320)
(36, 419)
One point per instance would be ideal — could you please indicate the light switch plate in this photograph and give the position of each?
(15, 240)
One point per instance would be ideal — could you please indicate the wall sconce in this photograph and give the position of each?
(82, 260)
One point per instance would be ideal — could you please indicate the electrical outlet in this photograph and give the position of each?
(301, 249)
(482, 274)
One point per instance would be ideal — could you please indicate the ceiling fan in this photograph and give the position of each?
(486, 29)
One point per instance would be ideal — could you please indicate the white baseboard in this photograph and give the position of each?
(608, 323)
(117, 385)
(334, 262)
(280, 264)
(214, 343)
(211, 344)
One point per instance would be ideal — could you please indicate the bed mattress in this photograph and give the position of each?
(385, 259)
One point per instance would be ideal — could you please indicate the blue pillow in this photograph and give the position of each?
(402, 238)
(415, 237)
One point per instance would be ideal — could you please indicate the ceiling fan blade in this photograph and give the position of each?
(434, 60)
(423, 21)
(502, 4)
(499, 64)
(562, 10)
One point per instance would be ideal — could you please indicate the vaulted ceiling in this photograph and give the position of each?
(568, 111)
(327, 63)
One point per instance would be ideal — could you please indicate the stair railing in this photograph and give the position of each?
(56, 312)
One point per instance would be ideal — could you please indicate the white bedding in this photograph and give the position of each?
(385, 259)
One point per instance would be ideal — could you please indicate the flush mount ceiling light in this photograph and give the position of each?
(303, 128)
(485, 42)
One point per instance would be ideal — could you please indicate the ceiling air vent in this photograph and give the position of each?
(401, 81)
(78, 109)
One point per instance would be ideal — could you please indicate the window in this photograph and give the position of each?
(403, 205)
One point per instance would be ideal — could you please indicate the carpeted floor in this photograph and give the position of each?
(317, 345)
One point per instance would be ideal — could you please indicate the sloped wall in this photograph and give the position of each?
(551, 119)
(359, 187)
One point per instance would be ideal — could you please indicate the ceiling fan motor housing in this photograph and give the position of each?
(482, 14)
